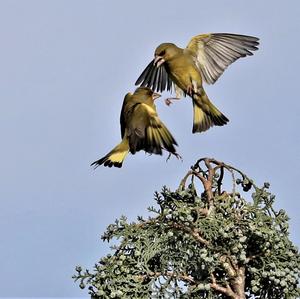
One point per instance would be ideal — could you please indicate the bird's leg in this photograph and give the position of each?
(176, 155)
(190, 90)
(168, 101)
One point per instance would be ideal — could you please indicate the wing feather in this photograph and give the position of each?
(155, 78)
(123, 112)
(147, 132)
(145, 72)
(215, 52)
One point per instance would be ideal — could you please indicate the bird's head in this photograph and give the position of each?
(164, 52)
(147, 93)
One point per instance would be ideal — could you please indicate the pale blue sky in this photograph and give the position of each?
(65, 66)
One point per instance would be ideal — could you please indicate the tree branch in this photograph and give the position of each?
(230, 268)
(183, 181)
(239, 283)
(183, 277)
(226, 291)
(193, 232)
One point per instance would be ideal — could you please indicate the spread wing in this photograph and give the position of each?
(147, 132)
(155, 78)
(216, 51)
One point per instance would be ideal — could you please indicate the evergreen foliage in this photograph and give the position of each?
(210, 243)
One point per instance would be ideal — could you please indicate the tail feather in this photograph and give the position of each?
(206, 114)
(115, 157)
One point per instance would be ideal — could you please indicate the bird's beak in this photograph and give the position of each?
(158, 61)
(155, 96)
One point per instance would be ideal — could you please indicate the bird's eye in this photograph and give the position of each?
(162, 53)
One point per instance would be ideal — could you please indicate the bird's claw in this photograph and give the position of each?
(176, 155)
(168, 102)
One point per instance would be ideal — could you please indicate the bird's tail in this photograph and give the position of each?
(114, 157)
(206, 114)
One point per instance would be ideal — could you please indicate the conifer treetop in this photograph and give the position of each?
(201, 241)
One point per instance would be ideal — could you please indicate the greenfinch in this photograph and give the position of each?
(204, 59)
(141, 129)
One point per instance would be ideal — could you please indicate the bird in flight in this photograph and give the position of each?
(204, 59)
(141, 129)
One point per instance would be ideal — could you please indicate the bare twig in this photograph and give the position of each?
(220, 180)
(183, 181)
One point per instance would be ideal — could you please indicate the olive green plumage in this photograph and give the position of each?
(141, 129)
(204, 59)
